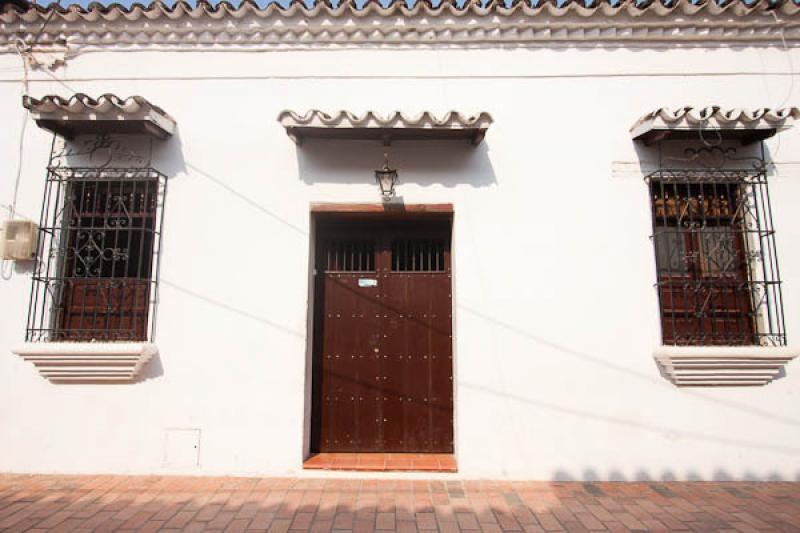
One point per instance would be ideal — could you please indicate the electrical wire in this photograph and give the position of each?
(781, 28)
(19, 45)
(44, 25)
(6, 270)
(783, 102)
(709, 144)
(25, 53)
(788, 54)
(60, 81)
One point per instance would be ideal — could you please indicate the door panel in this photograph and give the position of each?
(385, 347)
(417, 342)
(350, 337)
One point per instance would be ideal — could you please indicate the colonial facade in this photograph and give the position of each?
(527, 241)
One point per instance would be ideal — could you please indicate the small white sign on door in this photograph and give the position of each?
(367, 282)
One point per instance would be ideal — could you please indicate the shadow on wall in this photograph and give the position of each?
(610, 364)
(242, 196)
(588, 414)
(578, 412)
(167, 156)
(704, 152)
(227, 307)
(447, 163)
(153, 369)
(595, 416)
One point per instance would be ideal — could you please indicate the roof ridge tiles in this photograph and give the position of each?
(473, 7)
(654, 22)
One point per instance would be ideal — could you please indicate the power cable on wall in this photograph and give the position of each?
(788, 53)
(21, 50)
(19, 45)
(781, 29)
(779, 23)
(25, 53)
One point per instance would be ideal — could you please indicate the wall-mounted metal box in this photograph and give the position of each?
(18, 240)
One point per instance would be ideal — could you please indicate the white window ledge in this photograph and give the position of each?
(88, 362)
(723, 365)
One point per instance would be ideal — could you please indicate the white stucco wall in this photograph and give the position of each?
(556, 316)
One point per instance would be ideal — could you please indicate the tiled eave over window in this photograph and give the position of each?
(391, 127)
(82, 114)
(684, 123)
(470, 24)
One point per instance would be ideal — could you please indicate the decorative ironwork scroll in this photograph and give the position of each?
(718, 278)
(103, 151)
(95, 276)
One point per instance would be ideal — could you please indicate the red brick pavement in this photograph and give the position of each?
(155, 503)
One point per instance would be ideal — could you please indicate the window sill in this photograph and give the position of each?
(722, 366)
(88, 362)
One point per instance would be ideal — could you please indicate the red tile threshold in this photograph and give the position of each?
(382, 462)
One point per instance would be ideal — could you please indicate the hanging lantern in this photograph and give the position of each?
(386, 178)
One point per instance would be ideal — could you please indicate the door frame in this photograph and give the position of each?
(367, 211)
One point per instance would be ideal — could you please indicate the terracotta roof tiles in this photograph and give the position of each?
(95, 11)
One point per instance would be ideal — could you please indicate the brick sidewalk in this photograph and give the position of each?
(111, 503)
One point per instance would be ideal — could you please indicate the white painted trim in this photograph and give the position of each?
(769, 352)
(723, 365)
(88, 362)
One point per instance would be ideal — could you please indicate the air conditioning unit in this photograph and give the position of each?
(18, 240)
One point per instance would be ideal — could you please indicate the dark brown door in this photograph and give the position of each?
(383, 330)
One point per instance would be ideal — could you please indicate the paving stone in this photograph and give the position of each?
(384, 521)
(145, 504)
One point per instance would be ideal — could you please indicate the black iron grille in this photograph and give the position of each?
(348, 255)
(718, 278)
(418, 255)
(95, 276)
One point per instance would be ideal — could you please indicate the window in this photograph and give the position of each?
(717, 274)
(94, 279)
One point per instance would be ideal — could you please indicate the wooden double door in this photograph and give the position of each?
(383, 365)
